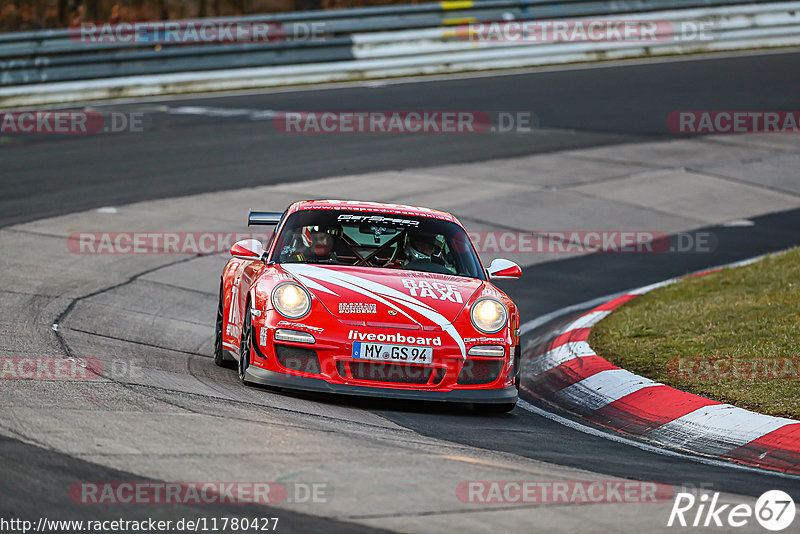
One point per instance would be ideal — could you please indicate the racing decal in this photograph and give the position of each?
(280, 277)
(358, 307)
(484, 340)
(233, 317)
(376, 219)
(395, 338)
(380, 293)
(491, 292)
(374, 206)
(262, 338)
(300, 326)
(434, 290)
(429, 276)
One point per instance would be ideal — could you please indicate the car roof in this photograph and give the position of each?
(363, 205)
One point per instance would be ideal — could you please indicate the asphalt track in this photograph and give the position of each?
(186, 154)
(181, 155)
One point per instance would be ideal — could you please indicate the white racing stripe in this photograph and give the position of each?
(377, 291)
(719, 427)
(603, 388)
(312, 284)
(353, 287)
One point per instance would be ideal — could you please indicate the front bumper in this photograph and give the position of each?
(258, 375)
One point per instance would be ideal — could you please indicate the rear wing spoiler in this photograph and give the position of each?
(263, 218)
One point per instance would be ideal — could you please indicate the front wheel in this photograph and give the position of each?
(245, 344)
(221, 358)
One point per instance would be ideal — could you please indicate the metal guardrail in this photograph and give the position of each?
(54, 56)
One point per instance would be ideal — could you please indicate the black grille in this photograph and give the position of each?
(439, 375)
(389, 372)
(297, 359)
(479, 372)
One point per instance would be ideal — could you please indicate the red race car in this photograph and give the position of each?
(365, 298)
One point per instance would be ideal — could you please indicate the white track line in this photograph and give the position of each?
(546, 318)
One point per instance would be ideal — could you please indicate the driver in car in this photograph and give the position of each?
(422, 250)
(319, 243)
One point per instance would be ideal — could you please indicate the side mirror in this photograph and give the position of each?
(501, 269)
(248, 249)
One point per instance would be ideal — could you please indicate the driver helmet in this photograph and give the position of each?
(320, 239)
(422, 246)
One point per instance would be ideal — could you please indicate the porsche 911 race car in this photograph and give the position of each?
(372, 299)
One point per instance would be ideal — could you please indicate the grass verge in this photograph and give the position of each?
(732, 335)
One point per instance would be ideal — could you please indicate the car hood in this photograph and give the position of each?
(386, 297)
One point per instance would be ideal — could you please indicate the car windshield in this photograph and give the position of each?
(374, 239)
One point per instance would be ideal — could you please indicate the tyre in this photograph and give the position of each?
(244, 345)
(221, 356)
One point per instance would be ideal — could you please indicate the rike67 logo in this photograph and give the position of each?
(774, 510)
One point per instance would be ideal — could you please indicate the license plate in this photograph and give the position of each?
(384, 352)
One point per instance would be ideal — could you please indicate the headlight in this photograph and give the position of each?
(291, 300)
(488, 315)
